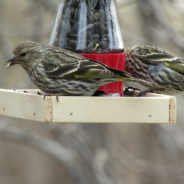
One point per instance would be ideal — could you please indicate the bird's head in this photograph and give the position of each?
(143, 50)
(149, 51)
(26, 54)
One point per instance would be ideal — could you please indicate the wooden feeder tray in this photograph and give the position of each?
(27, 104)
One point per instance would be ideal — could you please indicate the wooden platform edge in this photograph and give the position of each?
(172, 110)
(31, 106)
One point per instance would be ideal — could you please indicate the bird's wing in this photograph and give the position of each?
(57, 70)
(67, 64)
(177, 66)
(80, 69)
(92, 69)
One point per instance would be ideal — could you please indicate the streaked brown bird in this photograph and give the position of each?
(163, 70)
(59, 71)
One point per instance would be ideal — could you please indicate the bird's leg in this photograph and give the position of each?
(143, 93)
(56, 95)
(99, 93)
(57, 98)
(130, 91)
(47, 94)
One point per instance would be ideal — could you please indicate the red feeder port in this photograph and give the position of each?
(113, 60)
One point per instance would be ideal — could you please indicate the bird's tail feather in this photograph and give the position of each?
(133, 79)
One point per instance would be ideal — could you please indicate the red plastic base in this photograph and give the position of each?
(113, 60)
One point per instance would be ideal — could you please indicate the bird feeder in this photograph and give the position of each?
(91, 28)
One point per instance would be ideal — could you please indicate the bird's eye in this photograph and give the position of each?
(22, 54)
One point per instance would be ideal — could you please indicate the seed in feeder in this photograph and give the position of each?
(92, 3)
(73, 36)
(68, 28)
(103, 44)
(96, 47)
(95, 37)
(89, 26)
(97, 25)
(102, 4)
(76, 14)
(74, 28)
(92, 44)
(91, 16)
(76, 3)
(72, 10)
(89, 36)
(102, 16)
(72, 43)
(97, 16)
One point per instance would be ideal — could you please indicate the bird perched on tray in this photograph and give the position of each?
(163, 70)
(58, 71)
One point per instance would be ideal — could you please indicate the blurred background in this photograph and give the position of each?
(90, 153)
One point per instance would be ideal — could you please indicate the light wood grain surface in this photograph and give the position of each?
(151, 109)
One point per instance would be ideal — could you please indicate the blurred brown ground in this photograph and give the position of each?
(106, 154)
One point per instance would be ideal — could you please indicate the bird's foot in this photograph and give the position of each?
(143, 93)
(47, 94)
(99, 93)
(130, 91)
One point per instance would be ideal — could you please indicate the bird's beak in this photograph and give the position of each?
(10, 62)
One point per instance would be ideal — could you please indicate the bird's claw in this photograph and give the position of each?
(57, 98)
(143, 93)
(99, 93)
(129, 91)
(46, 94)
